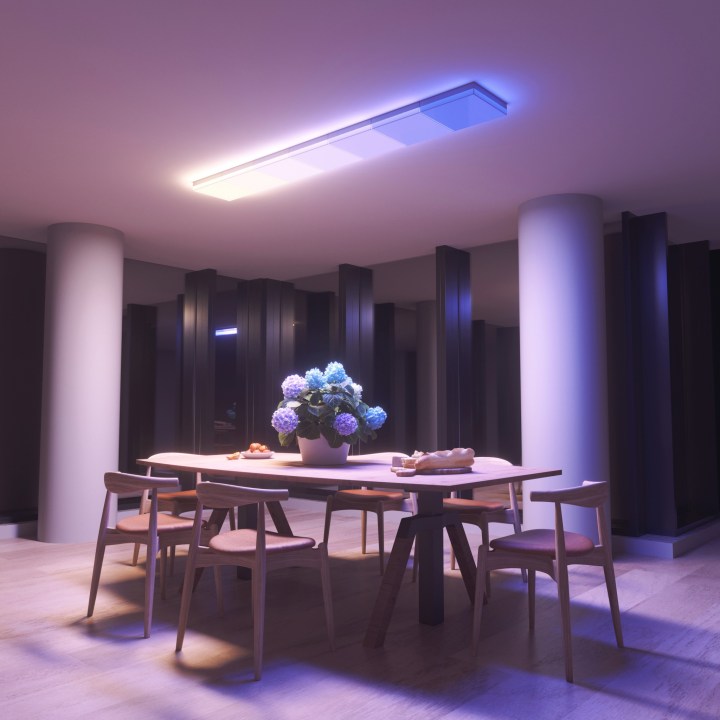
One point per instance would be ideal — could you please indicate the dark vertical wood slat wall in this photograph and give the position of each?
(715, 314)
(22, 315)
(454, 346)
(137, 407)
(386, 391)
(265, 355)
(356, 323)
(197, 408)
(315, 329)
(509, 400)
(693, 394)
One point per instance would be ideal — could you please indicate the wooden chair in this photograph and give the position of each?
(259, 550)
(157, 531)
(178, 502)
(551, 552)
(369, 500)
(482, 512)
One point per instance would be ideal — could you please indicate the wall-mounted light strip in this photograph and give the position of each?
(468, 105)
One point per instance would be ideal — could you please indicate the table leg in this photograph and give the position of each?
(390, 586)
(429, 543)
(279, 518)
(463, 554)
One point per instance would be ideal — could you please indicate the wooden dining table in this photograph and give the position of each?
(426, 528)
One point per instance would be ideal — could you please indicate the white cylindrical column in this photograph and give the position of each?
(81, 378)
(562, 349)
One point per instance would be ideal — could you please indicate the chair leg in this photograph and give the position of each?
(381, 537)
(163, 572)
(258, 611)
(171, 566)
(217, 573)
(531, 599)
(363, 531)
(231, 516)
(136, 554)
(479, 597)
(328, 516)
(150, 583)
(187, 591)
(613, 599)
(485, 531)
(95, 582)
(452, 559)
(564, 598)
(327, 593)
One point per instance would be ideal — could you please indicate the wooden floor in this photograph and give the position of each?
(55, 663)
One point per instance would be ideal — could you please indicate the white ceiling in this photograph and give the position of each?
(108, 108)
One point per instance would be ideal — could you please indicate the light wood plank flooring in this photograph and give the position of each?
(55, 663)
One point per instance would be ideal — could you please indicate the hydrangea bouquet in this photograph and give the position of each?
(325, 403)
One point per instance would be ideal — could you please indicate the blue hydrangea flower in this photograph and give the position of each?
(293, 385)
(375, 417)
(314, 379)
(284, 420)
(335, 373)
(345, 424)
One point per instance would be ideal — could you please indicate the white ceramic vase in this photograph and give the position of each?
(318, 452)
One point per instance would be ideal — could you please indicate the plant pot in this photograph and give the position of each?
(318, 452)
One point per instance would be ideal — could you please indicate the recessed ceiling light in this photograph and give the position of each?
(468, 105)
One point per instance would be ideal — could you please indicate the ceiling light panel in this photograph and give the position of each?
(442, 114)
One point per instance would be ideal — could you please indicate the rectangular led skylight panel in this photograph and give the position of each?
(241, 185)
(462, 112)
(427, 119)
(327, 157)
(368, 144)
(414, 129)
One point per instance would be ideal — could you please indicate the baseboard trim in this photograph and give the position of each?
(662, 546)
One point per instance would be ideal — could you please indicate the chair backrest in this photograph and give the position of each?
(119, 482)
(221, 495)
(591, 495)
(494, 460)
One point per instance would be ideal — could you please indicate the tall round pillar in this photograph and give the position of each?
(562, 349)
(81, 378)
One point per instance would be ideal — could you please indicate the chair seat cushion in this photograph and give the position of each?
(542, 542)
(370, 495)
(141, 523)
(242, 542)
(471, 507)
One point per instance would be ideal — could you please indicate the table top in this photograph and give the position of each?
(360, 471)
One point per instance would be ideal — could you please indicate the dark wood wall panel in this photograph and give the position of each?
(315, 329)
(715, 312)
(265, 354)
(454, 348)
(641, 442)
(356, 325)
(509, 401)
(137, 406)
(197, 377)
(386, 392)
(22, 313)
(693, 394)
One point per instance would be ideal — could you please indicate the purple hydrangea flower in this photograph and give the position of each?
(335, 373)
(345, 424)
(314, 379)
(375, 417)
(293, 385)
(284, 420)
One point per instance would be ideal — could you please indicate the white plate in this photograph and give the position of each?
(256, 455)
